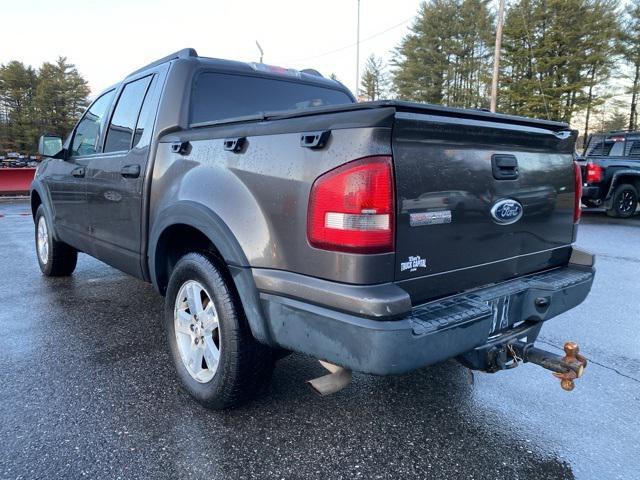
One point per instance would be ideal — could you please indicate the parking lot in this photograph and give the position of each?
(87, 390)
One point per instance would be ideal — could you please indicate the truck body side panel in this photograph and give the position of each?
(261, 193)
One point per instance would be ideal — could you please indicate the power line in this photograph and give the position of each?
(351, 45)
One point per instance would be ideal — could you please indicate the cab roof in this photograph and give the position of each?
(308, 75)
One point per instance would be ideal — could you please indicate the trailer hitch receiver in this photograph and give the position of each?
(567, 368)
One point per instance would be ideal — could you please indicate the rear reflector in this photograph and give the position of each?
(578, 193)
(351, 207)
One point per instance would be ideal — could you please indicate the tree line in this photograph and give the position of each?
(559, 58)
(34, 101)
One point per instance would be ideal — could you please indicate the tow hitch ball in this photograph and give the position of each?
(567, 368)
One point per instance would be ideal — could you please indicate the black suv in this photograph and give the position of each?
(611, 172)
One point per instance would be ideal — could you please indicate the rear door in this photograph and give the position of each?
(479, 201)
(115, 178)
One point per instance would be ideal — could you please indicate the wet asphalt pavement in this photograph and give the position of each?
(87, 391)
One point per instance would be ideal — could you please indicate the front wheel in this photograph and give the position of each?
(216, 357)
(55, 258)
(625, 202)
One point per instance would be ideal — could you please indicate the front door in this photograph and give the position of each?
(66, 178)
(114, 180)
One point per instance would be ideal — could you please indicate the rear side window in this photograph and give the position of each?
(217, 96)
(125, 116)
(87, 134)
(617, 150)
(633, 147)
(600, 149)
(142, 135)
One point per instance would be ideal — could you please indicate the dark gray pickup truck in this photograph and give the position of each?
(277, 214)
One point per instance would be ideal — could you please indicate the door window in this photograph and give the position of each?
(142, 135)
(125, 116)
(87, 134)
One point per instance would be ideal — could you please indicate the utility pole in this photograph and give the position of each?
(261, 52)
(496, 57)
(358, 52)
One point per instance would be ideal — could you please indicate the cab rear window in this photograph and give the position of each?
(218, 96)
(600, 149)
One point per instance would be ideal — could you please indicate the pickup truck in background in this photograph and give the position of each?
(276, 214)
(611, 172)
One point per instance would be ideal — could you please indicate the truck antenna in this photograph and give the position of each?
(261, 51)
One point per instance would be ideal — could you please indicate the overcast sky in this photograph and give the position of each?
(107, 39)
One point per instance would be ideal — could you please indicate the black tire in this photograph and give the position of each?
(60, 258)
(625, 202)
(245, 365)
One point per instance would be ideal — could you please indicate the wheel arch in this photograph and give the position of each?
(38, 196)
(36, 201)
(622, 177)
(188, 226)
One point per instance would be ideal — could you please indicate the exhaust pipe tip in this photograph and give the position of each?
(338, 379)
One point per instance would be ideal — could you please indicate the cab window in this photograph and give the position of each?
(218, 96)
(87, 134)
(125, 116)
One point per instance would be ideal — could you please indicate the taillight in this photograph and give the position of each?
(578, 192)
(594, 173)
(351, 207)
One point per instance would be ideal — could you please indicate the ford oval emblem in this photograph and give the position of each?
(506, 212)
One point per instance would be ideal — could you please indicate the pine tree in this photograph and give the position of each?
(554, 53)
(609, 116)
(602, 47)
(447, 56)
(374, 79)
(631, 54)
(616, 121)
(33, 102)
(61, 96)
(17, 87)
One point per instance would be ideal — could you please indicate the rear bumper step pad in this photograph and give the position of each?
(432, 332)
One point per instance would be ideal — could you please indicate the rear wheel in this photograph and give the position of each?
(56, 259)
(625, 202)
(216, 357)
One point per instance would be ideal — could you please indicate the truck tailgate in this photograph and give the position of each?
(460, 184)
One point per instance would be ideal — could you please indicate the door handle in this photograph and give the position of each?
(182, 148)
(314, 140)
(78, 172)
(505, 167)
(234, 145)
(130, 171)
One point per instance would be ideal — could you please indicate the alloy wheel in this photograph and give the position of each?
(42, 242)
(197, 331)
(626, 202)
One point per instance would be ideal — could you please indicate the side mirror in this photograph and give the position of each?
(49, 145)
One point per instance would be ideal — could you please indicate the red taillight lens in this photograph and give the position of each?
(594, 173)
(351, 207)
(578, 192)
